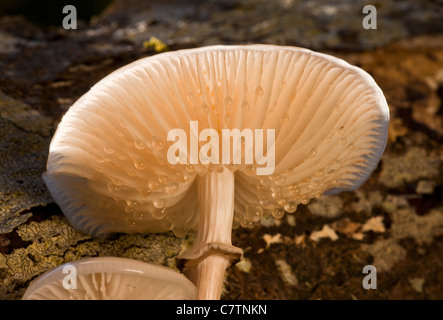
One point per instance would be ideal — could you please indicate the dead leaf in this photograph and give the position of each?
(374, 224)
(325, 232)
(271, 239)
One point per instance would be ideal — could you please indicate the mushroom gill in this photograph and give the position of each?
(108, 166)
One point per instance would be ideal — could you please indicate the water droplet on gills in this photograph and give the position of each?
(99, 159)
(232, 167)
(245, 106)
(313, 153)
(180, 231)
(188, 177)
(158, 213)
(130, 222)
(265, 181)
(162, 179)
(284, 119)
(259, 91)
(247, 224)
(113, 188)
(122, 122)
(159, 204)
(138, 215)
(108, 149)
(171, 188)
(166, 225)
(227, 119)
(139, 144)
(145, 192)
(278, 213)
(283, 85)
(139, 164)
(250, 170)
(129, 210)
(132, 203)
(291, 207)
(157, 143)
(280, 181)
(254, 213)
(205, 108)
(228, 101)
(153, 184)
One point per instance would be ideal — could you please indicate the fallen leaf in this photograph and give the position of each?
(271, 239)
(417, 284)
(300, 240)
(325, 232)
(374, 224)
(286, 272)
(346, 226)
(244, 265)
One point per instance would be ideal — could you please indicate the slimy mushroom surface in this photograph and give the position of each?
(110, 278)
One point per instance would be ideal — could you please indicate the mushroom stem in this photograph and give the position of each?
(212, 251)
(208, 276)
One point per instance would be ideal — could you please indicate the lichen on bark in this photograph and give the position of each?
(54, 241)
(44, 242)
(24, 140)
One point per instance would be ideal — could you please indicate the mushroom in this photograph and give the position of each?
(110, 278)
(140, 152)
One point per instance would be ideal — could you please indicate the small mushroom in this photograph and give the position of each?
(110, 166)
(110, 278)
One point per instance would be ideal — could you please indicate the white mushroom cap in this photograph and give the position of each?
(111, 278)
(108, 167)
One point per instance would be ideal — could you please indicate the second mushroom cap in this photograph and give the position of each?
(110, 278)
